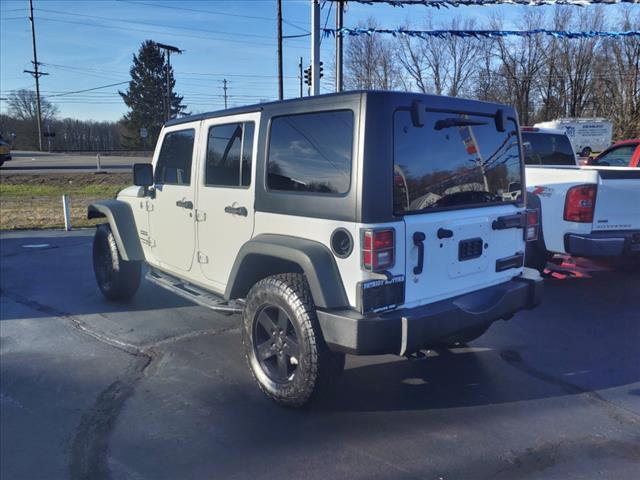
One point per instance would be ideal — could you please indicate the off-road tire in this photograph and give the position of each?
(465, 336)
(117, 279)
(318, 368)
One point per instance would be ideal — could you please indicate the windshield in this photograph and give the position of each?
(454, 160)
(547, 149)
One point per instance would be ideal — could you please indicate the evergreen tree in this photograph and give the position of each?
(146, 96)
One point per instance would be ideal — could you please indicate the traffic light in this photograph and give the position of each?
(321, 74)
(307, 76)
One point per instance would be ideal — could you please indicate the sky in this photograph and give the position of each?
(84, 44)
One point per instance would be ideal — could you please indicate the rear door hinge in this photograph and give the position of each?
(202, 258)
(201, 216)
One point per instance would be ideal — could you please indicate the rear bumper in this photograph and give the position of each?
(604, 244)
(408, 330)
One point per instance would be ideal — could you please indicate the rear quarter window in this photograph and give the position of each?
(547, 149)
(311, 152)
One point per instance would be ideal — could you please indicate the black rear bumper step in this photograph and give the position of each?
(406, 330)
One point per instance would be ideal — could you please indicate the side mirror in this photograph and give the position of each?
(501, 120)
(143, 174)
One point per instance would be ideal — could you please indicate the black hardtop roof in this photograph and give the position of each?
(315, 100)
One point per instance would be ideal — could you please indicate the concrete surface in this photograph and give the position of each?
(158, 388)
(43, 162)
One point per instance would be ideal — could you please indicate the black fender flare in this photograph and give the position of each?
(123, 225)
(270, 254)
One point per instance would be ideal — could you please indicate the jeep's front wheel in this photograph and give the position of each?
(283, 343)
(117, 279)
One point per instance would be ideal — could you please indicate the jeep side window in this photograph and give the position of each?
(229, 152)
(174, 161)
(311, 152)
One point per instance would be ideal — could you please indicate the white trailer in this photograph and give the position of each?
(587, 135)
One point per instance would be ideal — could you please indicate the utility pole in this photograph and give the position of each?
(36, 73)
(280, 80)
(300, 74)
(339, 22)
(224, 87)
(315, 47)
(168, 49)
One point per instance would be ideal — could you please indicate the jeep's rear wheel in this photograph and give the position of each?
(117, 279)
(283, 343)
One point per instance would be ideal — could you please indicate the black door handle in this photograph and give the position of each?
(188, 204)
(444, 233)
(418, 241)
(236, 211)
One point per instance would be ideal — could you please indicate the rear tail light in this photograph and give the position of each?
(378, 249)
(580, 203)
(532, 226)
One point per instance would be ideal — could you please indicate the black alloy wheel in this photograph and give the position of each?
(276, 344)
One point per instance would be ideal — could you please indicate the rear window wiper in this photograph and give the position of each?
(456, 122)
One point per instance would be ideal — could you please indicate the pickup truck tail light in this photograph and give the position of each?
(532, 227)
(378, 249)
(580, 203)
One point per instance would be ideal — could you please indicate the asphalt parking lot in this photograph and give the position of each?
(158, 388)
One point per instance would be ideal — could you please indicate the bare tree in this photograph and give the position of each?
(617, 85)
(370, 63)
(520, 62)
(441, 65)
(462, 57)
(23, 105)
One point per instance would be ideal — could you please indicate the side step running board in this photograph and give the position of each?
(195, 294)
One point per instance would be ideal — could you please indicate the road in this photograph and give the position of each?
(35, 163)
(158, 388)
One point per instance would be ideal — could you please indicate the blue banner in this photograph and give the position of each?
(466, 3)
(330, 32)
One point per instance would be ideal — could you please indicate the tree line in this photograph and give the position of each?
(543, 77)
(145, 98)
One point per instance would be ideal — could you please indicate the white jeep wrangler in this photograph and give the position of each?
(362, 222)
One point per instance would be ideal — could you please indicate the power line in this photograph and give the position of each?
(157, 32)
(150, 24)
(88, 89)
(213, 12)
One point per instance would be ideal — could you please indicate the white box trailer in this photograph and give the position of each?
(587, 135)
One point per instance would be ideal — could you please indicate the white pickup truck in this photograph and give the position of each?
(589, 212)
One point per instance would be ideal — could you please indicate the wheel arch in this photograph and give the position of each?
(123, 225)
(270, 254)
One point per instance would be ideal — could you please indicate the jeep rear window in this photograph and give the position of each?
(311, 152)
(547, 149)
(454, 160)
